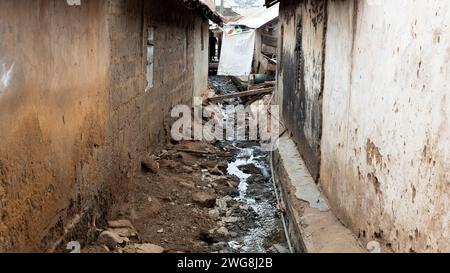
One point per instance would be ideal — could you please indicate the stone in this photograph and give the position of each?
(281, 249)
(223, 167)
(250, 169)
(221, 204)
(229, 213)
(256, 179)
(148, 249)
(150, 165)
(216, 171)
(161, 231)
(223, 231)
(214, 214)
(231, 219)
(124, 232)
(244, 207)
(110, 239)
(120, 224)
(204, 199)
(206, 237)
(187, 169)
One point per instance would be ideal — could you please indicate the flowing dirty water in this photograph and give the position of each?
(255, 189)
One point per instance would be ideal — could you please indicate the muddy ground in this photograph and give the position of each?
(198, 197)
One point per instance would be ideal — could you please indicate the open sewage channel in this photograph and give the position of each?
(201, 197)
(256, 189)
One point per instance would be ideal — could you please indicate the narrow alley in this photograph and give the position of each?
(196, 196)
(257, 127)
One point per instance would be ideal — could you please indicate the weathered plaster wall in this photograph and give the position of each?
(74, 113)
(385, 153)
(301, 72)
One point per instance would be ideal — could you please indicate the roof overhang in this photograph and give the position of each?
(270, 3)
(206, 8)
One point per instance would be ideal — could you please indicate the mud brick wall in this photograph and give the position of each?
(54, 146)
(74, 114)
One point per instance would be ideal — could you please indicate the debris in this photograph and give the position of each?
(223, 231)
(148, 249)
(223, 167)
(206, 237)
(214, 214)
(281, 249)
(110, 239)
(120, 224)
(124, 232)
(195, 152)
(242, 94)
(150, 166)
(235, 245)
(204, 199)
(231, 219)
(222, 204)
(216, 171)
(250, 169)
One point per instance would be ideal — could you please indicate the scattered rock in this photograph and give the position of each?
(256, 179)
(223, 167)
(148, 249)
(221, 204)
(124, 232)
(187, 169)
(169, 164)
(229, 213)
(120, 224)
(234, 179)
(223, 231)
(206, 237)
(244, 207)
(250, 169)
(281, 249)
(150, 165)
(110, 239)
(216, 171)
(214, 214)
(204, 199)
(231, 219)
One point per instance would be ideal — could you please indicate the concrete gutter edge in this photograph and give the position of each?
(312, 227)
